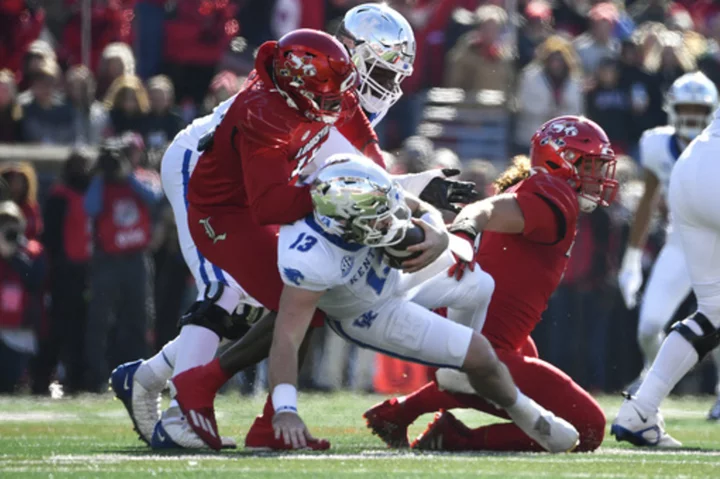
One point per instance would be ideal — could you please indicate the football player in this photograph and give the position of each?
(332, 260)
(197, 343)
(690, 102)
(693, 197)
(525, 235)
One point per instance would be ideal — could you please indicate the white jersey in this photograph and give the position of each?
(189, 137)
(355, 276)
(659, 150)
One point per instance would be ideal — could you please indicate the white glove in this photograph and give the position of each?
(630, 277)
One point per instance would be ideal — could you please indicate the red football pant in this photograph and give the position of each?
(248, 252)
(541, 381)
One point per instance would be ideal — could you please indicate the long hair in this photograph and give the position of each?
(519, 170)
(27, 170)
(127, 82)
(558, 44)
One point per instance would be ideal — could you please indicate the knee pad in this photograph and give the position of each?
(703, 343)
(209, 315)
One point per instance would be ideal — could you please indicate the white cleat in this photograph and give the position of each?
(642, 427)
(173, 432)
(139, 390)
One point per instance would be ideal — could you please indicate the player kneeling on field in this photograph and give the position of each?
(333, 260)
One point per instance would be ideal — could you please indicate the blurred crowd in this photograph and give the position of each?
(75, 304)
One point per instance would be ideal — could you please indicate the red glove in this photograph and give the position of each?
(458, 269)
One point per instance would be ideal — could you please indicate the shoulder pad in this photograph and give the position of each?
(303, 259)
(554, 190)
(654, 145)
(264, 116)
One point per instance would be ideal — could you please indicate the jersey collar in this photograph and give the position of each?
(334, 239)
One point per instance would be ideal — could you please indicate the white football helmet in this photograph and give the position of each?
(382, 46)
(691, 89)
(357, 200)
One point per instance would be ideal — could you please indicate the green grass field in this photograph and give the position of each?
(92, 437)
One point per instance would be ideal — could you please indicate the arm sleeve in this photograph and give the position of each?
(93, 201)
(359, 132)
(149, 192)
(273, 201)
(53, 238)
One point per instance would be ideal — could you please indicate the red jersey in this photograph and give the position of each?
(527, 267)
(260, 146)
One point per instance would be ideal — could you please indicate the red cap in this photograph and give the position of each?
(538, 9)
(604, 11)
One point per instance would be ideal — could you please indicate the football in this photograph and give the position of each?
(398, 253)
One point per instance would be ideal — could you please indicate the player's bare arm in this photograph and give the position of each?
(297, 306)
(500, 213)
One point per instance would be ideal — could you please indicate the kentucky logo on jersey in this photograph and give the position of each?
(211, 232)
(293, 275)
(366, 320)
(346, 265)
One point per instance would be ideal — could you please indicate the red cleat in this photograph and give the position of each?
(444, 433)
(261, 437)
(196, 399)
(382, 419)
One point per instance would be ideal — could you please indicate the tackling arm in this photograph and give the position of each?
(500, 213)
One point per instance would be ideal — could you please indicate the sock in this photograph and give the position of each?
(163, 362)
(524, 411)
(501, 437)
(268, 411)
(676, 357)
(196, 346)
(650, 345)
(214, 376)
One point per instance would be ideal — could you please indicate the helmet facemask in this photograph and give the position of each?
(595, 181)
(380, 77)
(690, 119)
(360, 211)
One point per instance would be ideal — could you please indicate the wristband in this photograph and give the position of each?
(467, 227)
(284, 398)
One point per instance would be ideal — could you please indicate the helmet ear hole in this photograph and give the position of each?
(552, 165)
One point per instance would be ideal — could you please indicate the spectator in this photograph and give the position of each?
(9, 109)
(23, 271)
(45, 117)
(535, 30)
(37, 55)
(482, 173)
(669, 60)
(119, 201)
(415, 155)
(197, 34)
(162, 122)
(117, 60)
(91, 117)
(68, 241)
(20, 24)
(645, 96)
(224, 85)
(609, 105)
(479, 61)
(445, 158)
(23, 186)
(709, 61)
(128, 104)
(598, 42)
(550, 86)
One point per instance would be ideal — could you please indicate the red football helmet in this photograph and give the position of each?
(577, 150)
(313, 71)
